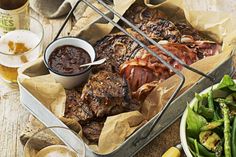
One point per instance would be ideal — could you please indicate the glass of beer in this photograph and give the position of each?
(46, 144)
(20, 46)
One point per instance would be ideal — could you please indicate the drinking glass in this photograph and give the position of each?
(45, 143)
(20, 46)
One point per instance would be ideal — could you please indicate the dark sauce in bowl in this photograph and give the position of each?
(67, 59)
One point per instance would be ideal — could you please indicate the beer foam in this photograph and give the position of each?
(26, 37)
(56, 151)
(30, 41)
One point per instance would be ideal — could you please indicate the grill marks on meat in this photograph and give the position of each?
(106, 94)
(139, 15)
(93, 130)
(117, 48)
(186, 29)
(153, 23)
(162, 29)
(76, 108)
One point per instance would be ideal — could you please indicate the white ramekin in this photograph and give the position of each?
(70, 81)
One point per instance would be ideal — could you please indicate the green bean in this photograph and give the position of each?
(210, 100)
(227, 143)
(212, 125)
(233, 142)
(211, 105)
(202, 150)
(196, 147)
(194, 154)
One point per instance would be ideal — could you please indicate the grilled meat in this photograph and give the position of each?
(186, 29)
(206, 48)
(137, 73)
(76, 108)
(202, 48)
(154, 23)
(106, 94)
(117, 48)
(139, 15)
(93, 130)
(145, 68)
(161, 29)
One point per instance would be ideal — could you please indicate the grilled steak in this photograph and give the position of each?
(117, 48)
(187, 30)
(76, 108)
(154, 23)
(139, 15)
(107, 94)
(93, 130)
(161, 29)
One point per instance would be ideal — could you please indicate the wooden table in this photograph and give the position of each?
(13, 117)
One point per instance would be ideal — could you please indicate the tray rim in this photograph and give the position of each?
(139, 130)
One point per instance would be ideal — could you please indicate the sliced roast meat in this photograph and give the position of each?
(76, 108)
(117, 48)
(107, 94)
(145, 68)
(93, 130)
(139, 71)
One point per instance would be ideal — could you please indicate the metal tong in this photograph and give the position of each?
(141, 44)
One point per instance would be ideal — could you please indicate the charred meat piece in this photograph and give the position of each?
(107, 94)
(186, 29)
(76, 108)
(139, 15)
(162, 29)
(93, 130)
(117, 48)
(154, 23)
(145, 68)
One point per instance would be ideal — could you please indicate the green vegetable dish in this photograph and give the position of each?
(211, 122)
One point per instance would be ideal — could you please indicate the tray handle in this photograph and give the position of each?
(66, 19)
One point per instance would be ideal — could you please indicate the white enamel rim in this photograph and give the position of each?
(73, 41)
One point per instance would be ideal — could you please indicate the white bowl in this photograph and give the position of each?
(183, 122)
(69, 81)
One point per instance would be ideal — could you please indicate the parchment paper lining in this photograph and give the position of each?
(215, 22)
